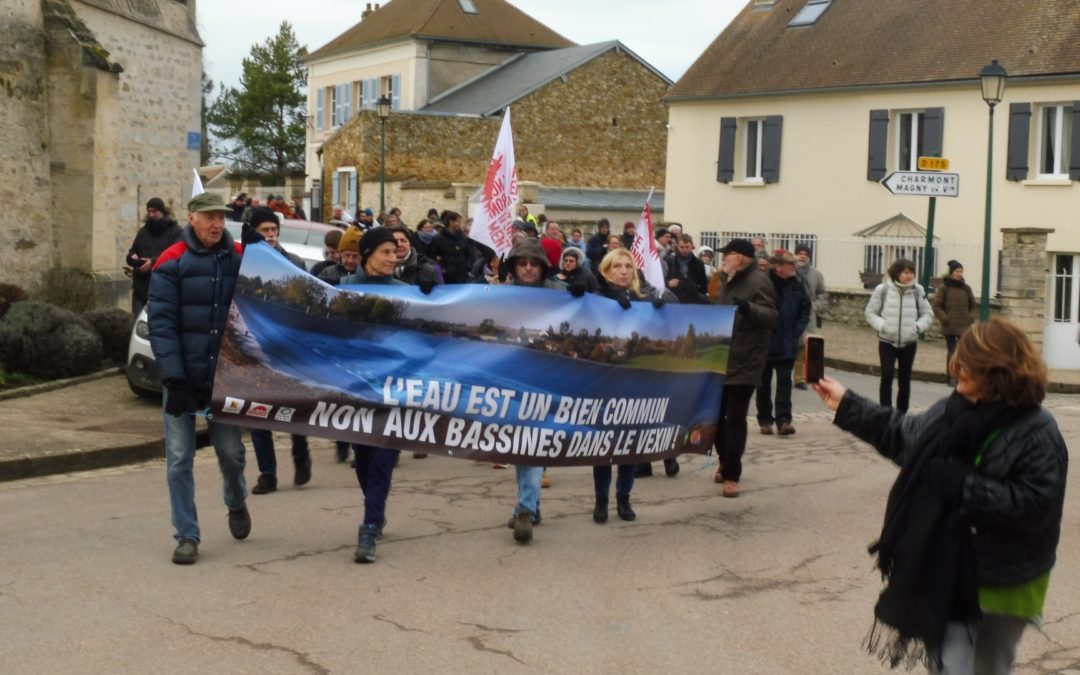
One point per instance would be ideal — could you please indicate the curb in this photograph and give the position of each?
(80, 460)
(927, 376)
(32, 389)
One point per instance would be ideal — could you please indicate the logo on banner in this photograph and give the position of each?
(285, 414)
(233, 405)
(259, 410)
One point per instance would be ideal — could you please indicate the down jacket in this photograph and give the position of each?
(190, 293)
(954, 306)
(897, 313)
(1014, 497)
(752, 331)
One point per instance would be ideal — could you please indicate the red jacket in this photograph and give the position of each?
(553, 250)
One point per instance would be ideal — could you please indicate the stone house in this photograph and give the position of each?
(450, 68)
(803, 107)
(100, 112)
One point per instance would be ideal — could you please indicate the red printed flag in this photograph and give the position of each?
(492, 224)
(646, 257)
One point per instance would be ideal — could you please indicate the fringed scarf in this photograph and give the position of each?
(924, 552)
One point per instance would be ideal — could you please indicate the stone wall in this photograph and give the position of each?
(1024, 269)
(849, 306)
(565, 134)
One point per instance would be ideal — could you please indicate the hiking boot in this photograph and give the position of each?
(766, 430)
(342, 450)
(419, 455)
(622, 507)
(599, 514)
(671, 467)
(643, 470)
(786, 429)
(523, 525)
(265, 484)
(186, 552)
(239, 522)
(545, 482)
(365, 547)
(731, 489)
(801, 386)
(302, 475)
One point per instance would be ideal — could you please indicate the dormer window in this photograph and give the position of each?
(810, 13)
(468, 6)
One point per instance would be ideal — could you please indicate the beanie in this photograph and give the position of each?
(350, 240)
(262, 215)
(954, 265)
(156, 203)
(373, 239)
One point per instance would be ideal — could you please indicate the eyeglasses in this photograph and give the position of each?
(529, 262)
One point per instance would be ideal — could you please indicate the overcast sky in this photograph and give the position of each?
(669, 34)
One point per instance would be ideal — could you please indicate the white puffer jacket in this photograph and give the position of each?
(898, 313)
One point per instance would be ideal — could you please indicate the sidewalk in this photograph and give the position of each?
(97, 422)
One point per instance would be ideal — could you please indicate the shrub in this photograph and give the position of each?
(113, 326)
(9, 295)
(68, 288)
(48, 342)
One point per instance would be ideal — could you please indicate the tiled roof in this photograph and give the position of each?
(497, 88)
(496, 22)
(895, 226)
(859, 43)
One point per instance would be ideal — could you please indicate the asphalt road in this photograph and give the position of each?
(777, 581)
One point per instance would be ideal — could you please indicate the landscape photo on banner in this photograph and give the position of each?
(493, 373)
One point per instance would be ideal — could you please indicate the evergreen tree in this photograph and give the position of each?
(204, 147)
(261, 124)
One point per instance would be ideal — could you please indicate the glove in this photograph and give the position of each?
(578, 288)
(946, 477)
(179, 399)
(249, 235)
(623, 299)
(743, 306)
(426, 279)
(658, 301)
(504, 269)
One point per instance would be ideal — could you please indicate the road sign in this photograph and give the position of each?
(933, 164)
(923, 184)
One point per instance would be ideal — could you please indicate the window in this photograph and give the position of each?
(390, 87)
(759, 147)
(1055, 140)
(914, 134)
(909, 139)
(1064, 273)
(344, 188)
(752, 149)
(810, 13)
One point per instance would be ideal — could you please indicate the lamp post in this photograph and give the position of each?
(382, 107)
(992, 78)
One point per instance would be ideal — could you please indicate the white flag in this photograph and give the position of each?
(492, 224)
(196, 187)
(646, 257)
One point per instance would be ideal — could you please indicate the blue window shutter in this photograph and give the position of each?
(347, 102)
(320, 105)
(353, 192)
(725, 170)
(335, 194)
(336, 122)
(1074, 154)
(933, 131)
(395, 93)
(1019, 130)
(879, 144)
(770, 148)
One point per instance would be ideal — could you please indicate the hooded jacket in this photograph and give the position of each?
(898, 313)
(580, 274)
(529, 247)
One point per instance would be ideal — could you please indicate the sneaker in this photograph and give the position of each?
(766, 429)
(545, 482)
(801, 386)
(535, 520)
(240, 522)
(643, 470)
(265, 484)
(731, 489)
(365, 547)
(671, 467)
(523, 526)
(718, 477)
(500, 466)
(786, 429)
(186, 552)
(302, 475)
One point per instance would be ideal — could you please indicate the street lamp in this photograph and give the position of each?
(382, 107)
(992, 78)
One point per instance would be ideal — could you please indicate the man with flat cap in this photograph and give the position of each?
(190, 293)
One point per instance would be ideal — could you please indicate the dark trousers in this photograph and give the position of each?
(890, 355)
(374, 471)
(624, 481)
(783, 393)
(263, 442)
(730, 440)
(950, 345)
(342, 450)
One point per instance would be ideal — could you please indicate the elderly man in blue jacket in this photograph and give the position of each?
(191, 289)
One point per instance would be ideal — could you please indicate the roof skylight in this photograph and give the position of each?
(810, 13)
(468, 6)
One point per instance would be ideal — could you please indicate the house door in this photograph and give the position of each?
(1061, 348)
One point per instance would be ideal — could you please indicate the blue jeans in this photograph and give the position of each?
(624, 482)
(374, 471)
(528, 484)
(179, 457)
(262, 440)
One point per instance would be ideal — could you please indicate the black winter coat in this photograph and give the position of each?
(596, 249)
(152, 238)
(693, 287)
(455, 253)
(752, 331)
(793, 306)
(1013, 499)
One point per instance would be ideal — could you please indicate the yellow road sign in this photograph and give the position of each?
(933, 164)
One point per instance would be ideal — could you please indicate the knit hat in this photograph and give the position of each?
(350, 240)
(262, 215)
(373, 239)
(954, 265)
(799, 248)
(740, 246)
(157, 204)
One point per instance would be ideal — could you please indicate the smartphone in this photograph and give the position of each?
(815, 358)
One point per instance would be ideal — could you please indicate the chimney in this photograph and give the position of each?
(370, 10)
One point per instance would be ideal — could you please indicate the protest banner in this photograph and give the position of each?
(495, 373)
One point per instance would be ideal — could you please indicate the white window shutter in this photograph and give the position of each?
(354, 184)
(346, 102)
(320, 106)
(335, 195)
